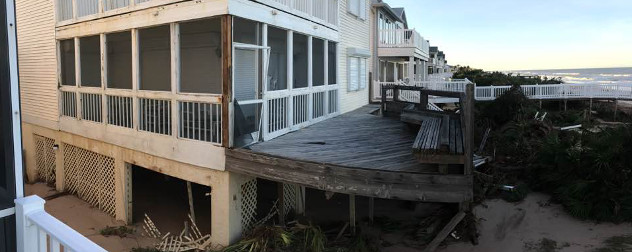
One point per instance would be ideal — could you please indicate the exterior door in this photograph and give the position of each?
(249, 66)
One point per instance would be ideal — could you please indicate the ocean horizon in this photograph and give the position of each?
(584, 75)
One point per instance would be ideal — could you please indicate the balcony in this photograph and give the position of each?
(321, 11)
(72, 11)
(402, 43)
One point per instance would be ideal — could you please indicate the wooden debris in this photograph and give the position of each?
(190, 239)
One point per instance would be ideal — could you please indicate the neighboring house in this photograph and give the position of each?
(401, 52)
(114, 92)
(438, 63)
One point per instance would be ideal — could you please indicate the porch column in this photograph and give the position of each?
(411, 69)
(225, 211)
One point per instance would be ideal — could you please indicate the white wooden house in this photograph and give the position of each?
(170, 85)
(401, 52)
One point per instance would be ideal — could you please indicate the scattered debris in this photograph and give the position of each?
(571, 127)
(120, 231)
(190, 239)
(545, 245)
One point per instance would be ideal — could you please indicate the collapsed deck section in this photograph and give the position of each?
(356, 153)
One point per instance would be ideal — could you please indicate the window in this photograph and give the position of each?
(333, 59)
(201, 56)
(119, 60)
(318, 62)
(246, 31)
(155, 58)
(67, 50)
(357, 8)
(357, 74)
(300, 61)
(90, 51)
(277, 69)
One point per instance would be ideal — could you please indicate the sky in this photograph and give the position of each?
(526, 34)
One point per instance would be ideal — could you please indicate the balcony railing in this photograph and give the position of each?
(77, 10)
(403, 38)
(561, 91)
(324, 11)
(39, 231)
(288, 110)
(186, 116)
(452, 86)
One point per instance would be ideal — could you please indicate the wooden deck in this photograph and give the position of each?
(356, 153)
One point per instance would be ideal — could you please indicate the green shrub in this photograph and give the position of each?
(588, 173)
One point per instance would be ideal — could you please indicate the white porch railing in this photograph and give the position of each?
(289, 110)
(78, 10)
(39, 231)
(535, 92)
(323, 11)
(403, 38)
(561, 91)
(452, 86)
(186, 116)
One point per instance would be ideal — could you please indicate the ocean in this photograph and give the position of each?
(588, 75)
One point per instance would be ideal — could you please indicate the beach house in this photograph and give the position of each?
(400, 52)
(133, 105)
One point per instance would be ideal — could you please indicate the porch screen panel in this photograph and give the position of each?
(300, 61)
(67, 49)
(201, 56)
(90, 55)
(155, 58)
(332, 65)
(277, 69)
(119, 60)
(318, 62)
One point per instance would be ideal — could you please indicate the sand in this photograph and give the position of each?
(87, 220)
(513, 227)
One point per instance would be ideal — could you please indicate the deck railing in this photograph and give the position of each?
(325, 11)
(537, 92)
(39, 231)
(69, 10)
(187, 116)
(452, 85)
(403, 38)
(289, 110)
(561, 91)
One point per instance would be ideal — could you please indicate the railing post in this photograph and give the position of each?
(27, 233)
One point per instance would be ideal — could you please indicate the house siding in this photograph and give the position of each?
(37, 59)
(354, 33)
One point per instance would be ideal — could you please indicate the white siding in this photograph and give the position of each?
(355, 33)
(37, 58)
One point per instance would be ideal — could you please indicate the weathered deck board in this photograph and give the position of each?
(355, 153)
(355, 139)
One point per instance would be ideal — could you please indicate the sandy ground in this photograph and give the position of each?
(513, 227)
(86, 219)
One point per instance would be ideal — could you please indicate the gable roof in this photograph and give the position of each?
(397, 15)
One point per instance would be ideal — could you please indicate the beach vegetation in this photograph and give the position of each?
(495, 78)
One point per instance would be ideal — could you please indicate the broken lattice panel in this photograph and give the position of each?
(248, 204)
(290, 196)
(90, 176)
(44, 158)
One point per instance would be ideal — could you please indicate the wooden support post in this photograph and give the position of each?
(191, 208)
(590, 109)
(616, 107)
(468, 115)
(281, 204)
(352, 214)
(227, 80)
(371, 209)
(565, 101)
(540, 103)
(383, 98)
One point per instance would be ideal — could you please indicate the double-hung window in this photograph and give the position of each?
(357, 8)
(358, 78)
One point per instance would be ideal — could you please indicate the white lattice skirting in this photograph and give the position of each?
(45, 160)
(90, 176)
(248, 204)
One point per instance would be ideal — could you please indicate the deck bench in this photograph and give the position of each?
(439, 139)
